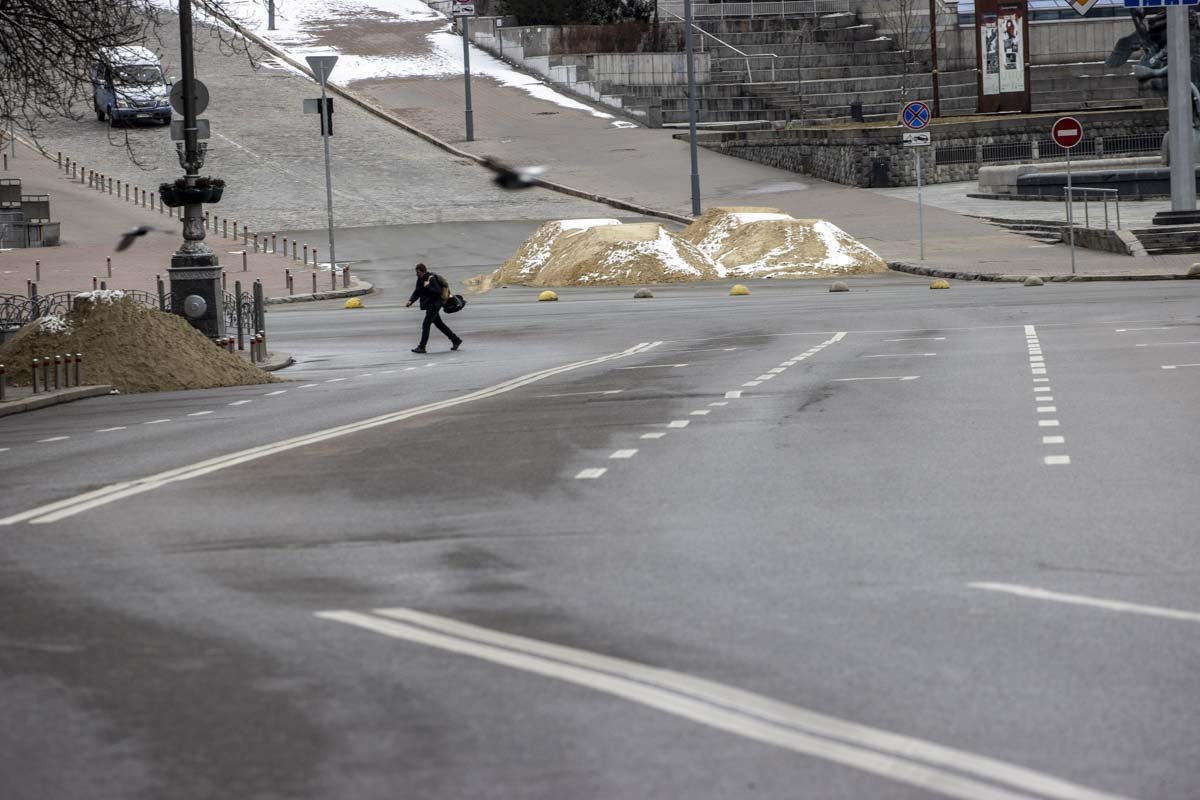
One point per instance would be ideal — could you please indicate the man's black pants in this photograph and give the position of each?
(432, 317)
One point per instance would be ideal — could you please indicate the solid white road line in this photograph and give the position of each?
(655, 366)
(879, 378)
(588, 474)
(53, 439)
(116, 428)
(1179, 366)
(1163, 344)
(919, 339)
(678, 423)
(240, 402)
(1131, 330)
(1035, 593)
(1054, 440)
(579, 394)
(69, 507)
(903, 355)
(630, 453)
(200, 413)
(4, 449)
(903, 759)
(1053, 460)
(156, 422)
(733, 395)
(657, 435)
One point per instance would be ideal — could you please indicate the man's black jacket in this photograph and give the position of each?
(431, 295)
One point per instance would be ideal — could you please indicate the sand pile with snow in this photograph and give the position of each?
(130, 346)
(540, 249)
(766, 243)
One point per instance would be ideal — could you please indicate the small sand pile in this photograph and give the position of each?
(130, 346)
(766, 243)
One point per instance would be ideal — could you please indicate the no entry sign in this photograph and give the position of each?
(1067, 132)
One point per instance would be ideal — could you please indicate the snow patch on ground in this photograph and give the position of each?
(584, 224)
(744, 218)
(298, 21)
(664, 249)
(54, 324)
(101, 295)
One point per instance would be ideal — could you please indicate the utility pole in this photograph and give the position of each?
(195, 272)
(933, 50)
(691, 80)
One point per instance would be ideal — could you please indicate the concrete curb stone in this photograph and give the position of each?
(362, 288)
(46, 399)
(963, 275)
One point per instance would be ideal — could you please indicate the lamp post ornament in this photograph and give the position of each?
(195, 272)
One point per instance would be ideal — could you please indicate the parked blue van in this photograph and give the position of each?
(128, 85)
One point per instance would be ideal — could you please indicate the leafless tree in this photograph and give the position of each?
(48, 48)
(907, 22)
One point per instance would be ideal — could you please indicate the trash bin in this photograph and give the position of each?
(880, 173)
(856, 111)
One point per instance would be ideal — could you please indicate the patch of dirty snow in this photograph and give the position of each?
(101, 295)
(54, 323)
(744, 218)
(584, 224)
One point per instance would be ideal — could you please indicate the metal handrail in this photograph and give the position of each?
(723, 43)
(1070, 201)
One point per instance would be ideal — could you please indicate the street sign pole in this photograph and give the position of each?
(465, 21)
(920, 207)
(1179, 104)
(321, 67)
(1067, 132)
(915, 116)
(1071, 210)
(691, 80)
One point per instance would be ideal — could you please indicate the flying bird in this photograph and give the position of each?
(131, 234)
(513, 177)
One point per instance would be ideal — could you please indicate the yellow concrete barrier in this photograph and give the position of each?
(353, 302)
(940, 283)
(547, 295)
(738, 290)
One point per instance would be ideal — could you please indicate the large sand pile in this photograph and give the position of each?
(644, 252)
(541, 248)
(765, 242)
(129, 346)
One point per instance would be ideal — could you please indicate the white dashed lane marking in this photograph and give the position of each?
(1047, 423)
(156, 422)
(275, 394)
(719, 403)
(752, 383)
(335, 380)
(658, 435)
(309, 385)
(1131, 330)
(590, 473)
(919, 339)
(240, 402)
(700, 412)
(678, 423)
(580, 394)
(1052, 460)
(1164, 344)
(902, 355)
(630, 453)
(1054, 440)
(733, 395)
(1037, 366)
(879, 378)
(199, 413)
(1047, 409)
(1178, 366)
(53, 439)
(655, 366)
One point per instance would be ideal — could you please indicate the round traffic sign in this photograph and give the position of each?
(915, 116)
(1067, 132)
(199, 91)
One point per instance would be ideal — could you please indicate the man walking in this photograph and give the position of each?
(429, 292)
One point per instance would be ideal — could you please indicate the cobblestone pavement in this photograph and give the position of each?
(271, 156)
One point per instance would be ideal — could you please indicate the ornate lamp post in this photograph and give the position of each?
(195, 273)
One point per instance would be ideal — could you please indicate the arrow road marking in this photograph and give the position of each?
(904, 759)
(69, 507)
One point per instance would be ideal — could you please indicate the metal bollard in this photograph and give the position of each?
(256, 242)
(127, 193)
(245, 234)
(229, 343)
(108, 265)
(110, 185)
(33, 375)
(314, 276)
(104, 286)
(253, 349)
(152, 203)
(57, 373)
(67, 371)
(333, 277)
(46, 362)
(305, 255)
(285, 246)
(95, 283)
(162, 293)
(245, 265)
(225, 229)
(37, 271)
(290, 284)
(118, 187)
(72, 171)
(262, 345)
(237, 308)
(60, 159)
(79, 369)
(224, 280)
(273, 249)
(3, 384)
(293, 249)
(314, 258)
(287, 277)
(345, 277)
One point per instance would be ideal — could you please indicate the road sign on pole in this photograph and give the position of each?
(1081, 6)
(918, 139)
(463, 10)
(321, 67)
(1067, 133)
(915, 116)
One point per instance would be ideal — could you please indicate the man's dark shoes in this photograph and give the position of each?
(418, 349)
(456, 345)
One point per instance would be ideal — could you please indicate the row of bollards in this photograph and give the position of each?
(68, 372)
(258, 347)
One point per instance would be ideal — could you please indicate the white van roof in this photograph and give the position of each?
(128, 56)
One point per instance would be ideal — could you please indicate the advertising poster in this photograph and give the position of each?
(989, 45)
(1012, 47)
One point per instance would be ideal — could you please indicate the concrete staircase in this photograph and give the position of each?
(1169, 239)
(1046, 231)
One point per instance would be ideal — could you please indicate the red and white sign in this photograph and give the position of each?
(1067, 132)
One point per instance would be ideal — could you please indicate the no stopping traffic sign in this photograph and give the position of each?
(1067, 132)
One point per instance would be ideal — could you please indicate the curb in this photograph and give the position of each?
(913, 269)
(276, 361)
(371, 108)
(35, 402)
(363, 288)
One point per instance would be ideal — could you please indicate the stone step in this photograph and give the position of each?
(856, 33)
(844, 19)
(726, 116)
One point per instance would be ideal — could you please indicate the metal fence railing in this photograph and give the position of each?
(758, 8)
(1033, 150)
(1086, 194)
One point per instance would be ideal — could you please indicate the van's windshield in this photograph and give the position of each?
(137, 75)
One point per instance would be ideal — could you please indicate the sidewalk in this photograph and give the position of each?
(93, 221)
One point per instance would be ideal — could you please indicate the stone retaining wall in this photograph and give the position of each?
(851, 155)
